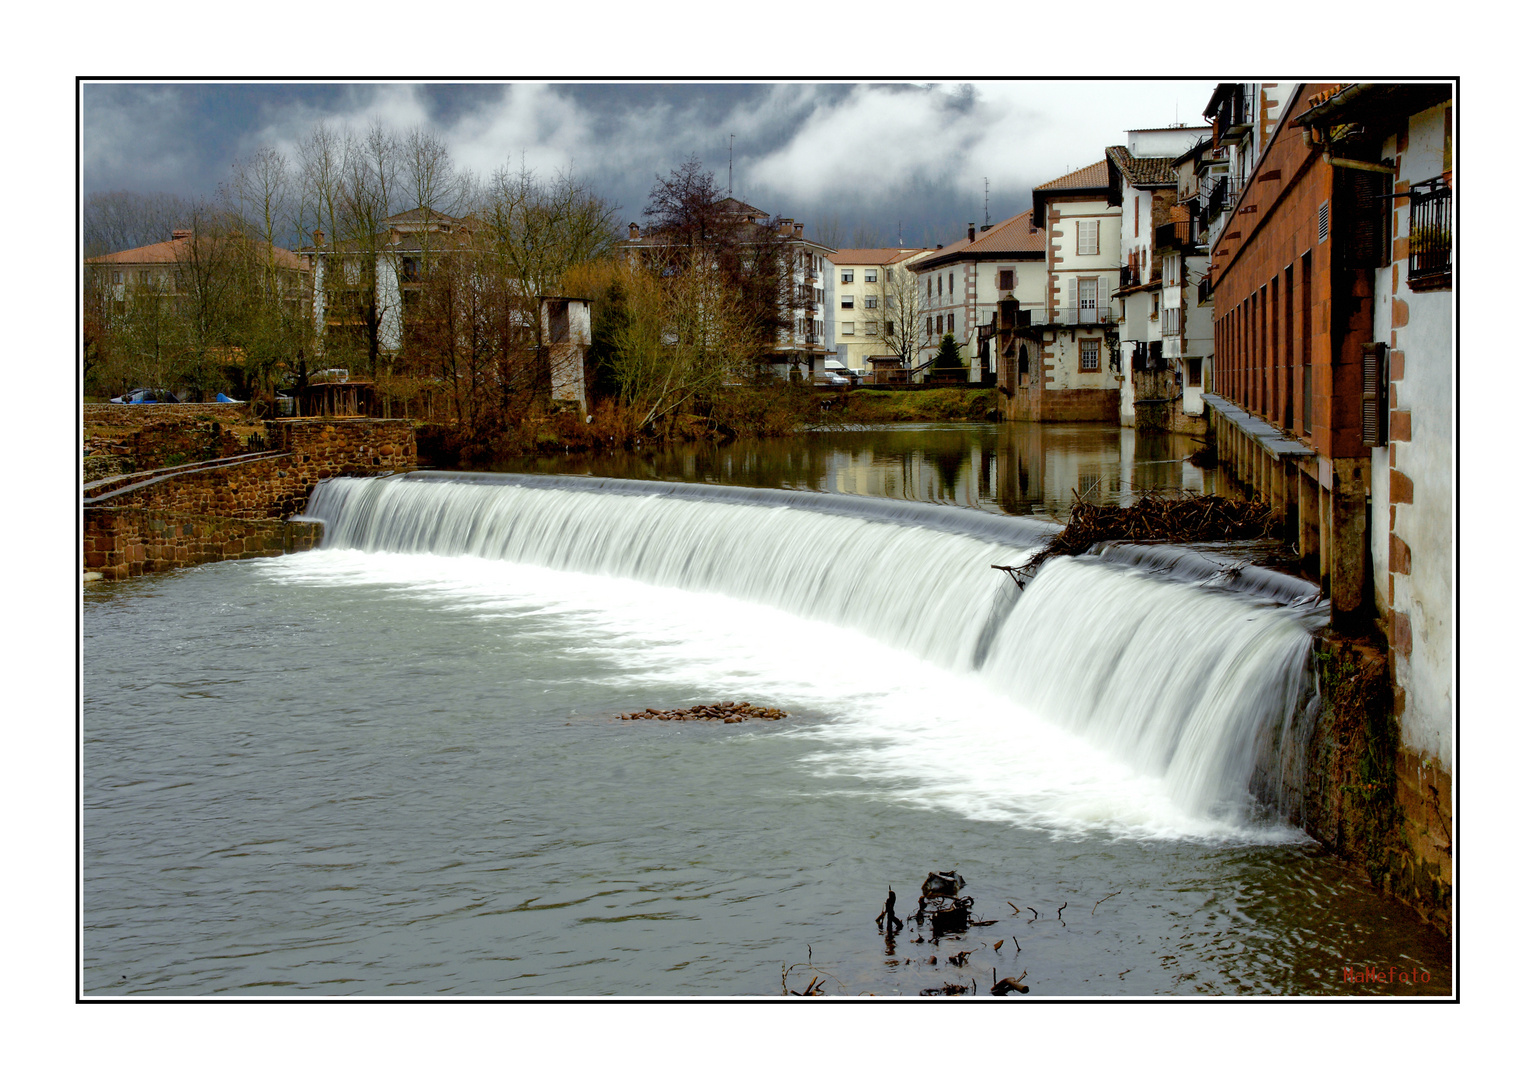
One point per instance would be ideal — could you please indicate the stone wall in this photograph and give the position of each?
(236, 509)
(1368, 799)
(138, 415)
(126, 541)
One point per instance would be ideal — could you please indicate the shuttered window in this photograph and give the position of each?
(1374, 393)
(1088, 237)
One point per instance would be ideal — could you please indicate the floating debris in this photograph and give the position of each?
(1187, 519)
(730, 712)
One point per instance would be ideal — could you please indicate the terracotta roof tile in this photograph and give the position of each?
(173, 251)
(1011, 235)
(871, 256)
(1089, 176)
(1143, 172)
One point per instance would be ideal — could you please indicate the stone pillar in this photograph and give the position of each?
(1348, 548)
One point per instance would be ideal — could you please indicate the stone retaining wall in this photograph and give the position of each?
(138, 415)
(125, 541)
(235, 510)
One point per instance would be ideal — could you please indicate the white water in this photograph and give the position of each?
(1100, 697)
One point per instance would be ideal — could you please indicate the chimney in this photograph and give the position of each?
(319, 238)
(799, 230)
(786, 227)
(970, 231)
(181, 234)
(634, 231)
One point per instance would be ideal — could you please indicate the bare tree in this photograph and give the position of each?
(122, 220)
(901, 326)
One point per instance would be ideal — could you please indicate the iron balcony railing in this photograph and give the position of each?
(1429, 235)
(1234, 116)
(1177, 234)
(1130, 276)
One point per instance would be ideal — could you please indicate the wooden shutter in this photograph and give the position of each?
(1364, 225)
(1106, 289)
(1373, 393)
(1070, 317)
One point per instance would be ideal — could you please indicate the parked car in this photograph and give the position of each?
(147, 397)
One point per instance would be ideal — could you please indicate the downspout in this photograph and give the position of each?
(1314, 143)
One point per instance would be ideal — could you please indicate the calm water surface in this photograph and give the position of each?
(384, 774)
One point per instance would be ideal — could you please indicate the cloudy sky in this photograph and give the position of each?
(865, 159)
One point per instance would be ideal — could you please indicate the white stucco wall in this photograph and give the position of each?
(387, 288)
(1425, 595)
(1065, 349)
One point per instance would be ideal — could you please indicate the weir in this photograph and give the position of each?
(1193, 673)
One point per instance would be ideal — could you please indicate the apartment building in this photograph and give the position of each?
(876, 312)
(962, 283)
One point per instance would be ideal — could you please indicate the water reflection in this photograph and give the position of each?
(1017, 468)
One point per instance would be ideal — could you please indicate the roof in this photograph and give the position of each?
(1011, 237)
(1143, 171)
(732, 205)
(176, 250)
(1089, 176)
(420, 215)
(1369, 103)
(871, 256)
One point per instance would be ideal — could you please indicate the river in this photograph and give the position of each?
(395, 766)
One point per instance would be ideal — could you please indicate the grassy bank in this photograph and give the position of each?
(893, 406)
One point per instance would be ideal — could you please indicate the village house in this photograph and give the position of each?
(876, 314)
(800, 347)
(1153, 281)
(1074, 333)
(961, 285)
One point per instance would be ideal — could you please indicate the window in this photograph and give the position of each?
(871, 275)
(871, 329)
(951, 284)
(871, 301)
(929, 331)
(1088, 354)
(890, 275)
(143, 277)
(1171, 321)
(951, 322)
(847, 277)
(1005, 280)
(848, 329)
(117, 277)
(930, 288)
(1088, 237)
(1088, 300)
(890, 328)
(847, 300)
(1170, 269)
(411, 269)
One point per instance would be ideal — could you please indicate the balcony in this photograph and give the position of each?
(1086, 316)
(1234, 116)
(1429, 236)
(1174, 234)
(1130, 277)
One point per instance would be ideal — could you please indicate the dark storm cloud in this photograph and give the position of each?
(869, 158)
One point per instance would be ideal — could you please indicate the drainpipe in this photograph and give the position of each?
(1314, 143)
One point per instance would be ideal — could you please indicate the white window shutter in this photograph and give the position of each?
(1071, 300)
(1106, 289)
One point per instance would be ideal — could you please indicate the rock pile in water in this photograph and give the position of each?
(732, 712)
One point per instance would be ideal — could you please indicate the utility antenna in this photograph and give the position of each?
(730, 168)
(986, 201)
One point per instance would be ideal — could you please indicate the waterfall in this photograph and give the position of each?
(1187, 670)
